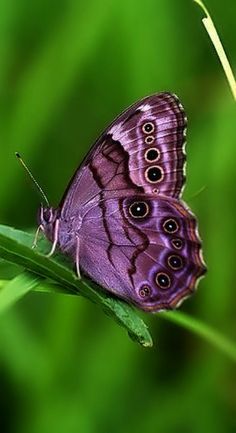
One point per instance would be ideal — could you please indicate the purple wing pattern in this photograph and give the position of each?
(136, 238)
(163, 174)
(153, 136)
(135, 252)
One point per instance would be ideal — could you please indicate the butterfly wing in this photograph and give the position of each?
(143, 248)
(153, 135)
(147, 142)
(136, 238)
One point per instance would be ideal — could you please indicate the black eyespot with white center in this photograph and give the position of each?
(177, 243)
(148, 127)
(175, 262)
(145, 291)
(170, 225)
(154, 174)
(152, 154)
(149, 139)
(163, 280)
(139, 209)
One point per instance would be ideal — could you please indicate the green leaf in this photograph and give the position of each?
(15, 247)
(16, 289)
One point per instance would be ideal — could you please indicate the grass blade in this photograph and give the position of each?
(212, 32)
(15, 246)
(16, 289)
(204, 331)
(194, 325)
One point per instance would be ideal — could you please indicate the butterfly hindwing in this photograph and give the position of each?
(149, 249)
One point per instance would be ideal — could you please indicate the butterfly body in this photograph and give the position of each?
(121, 219)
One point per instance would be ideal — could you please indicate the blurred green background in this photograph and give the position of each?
(67, 68)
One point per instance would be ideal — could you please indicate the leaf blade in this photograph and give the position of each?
(16, 289)
(15, 246)
(203, 330)
(217, 44)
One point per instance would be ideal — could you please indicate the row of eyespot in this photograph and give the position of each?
(141, 209)
(155, 173)
(175, 262)
(170, 225)
(163, 280)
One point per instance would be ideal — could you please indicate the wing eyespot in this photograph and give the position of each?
(154, 174)
(175, 262)
(139, 209)
(177, 243)
(163, 280)
(148, 127)
(149, 139)
(170, 225)
(152, 154)
(145, 291)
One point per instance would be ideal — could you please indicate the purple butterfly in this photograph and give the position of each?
(121, 219)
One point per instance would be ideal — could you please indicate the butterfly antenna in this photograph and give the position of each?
(32, 178)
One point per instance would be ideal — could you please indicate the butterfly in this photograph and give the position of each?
(121, 218)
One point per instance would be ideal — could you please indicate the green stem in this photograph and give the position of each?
(212, 32)
(204, 331)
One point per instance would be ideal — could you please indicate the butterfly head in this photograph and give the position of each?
(46, 218)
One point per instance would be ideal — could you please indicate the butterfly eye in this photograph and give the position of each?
(145, 291)
(154, 174)
(139, 209)
(47, 215)
(148, 127)
(170, 225)
(163, 280)
(175, 262)
(152, 154)
(177, 243)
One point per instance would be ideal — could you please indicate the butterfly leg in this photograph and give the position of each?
(40, 228)
(55, 239)
(77, 257)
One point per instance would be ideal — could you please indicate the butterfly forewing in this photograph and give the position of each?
(146, 143)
